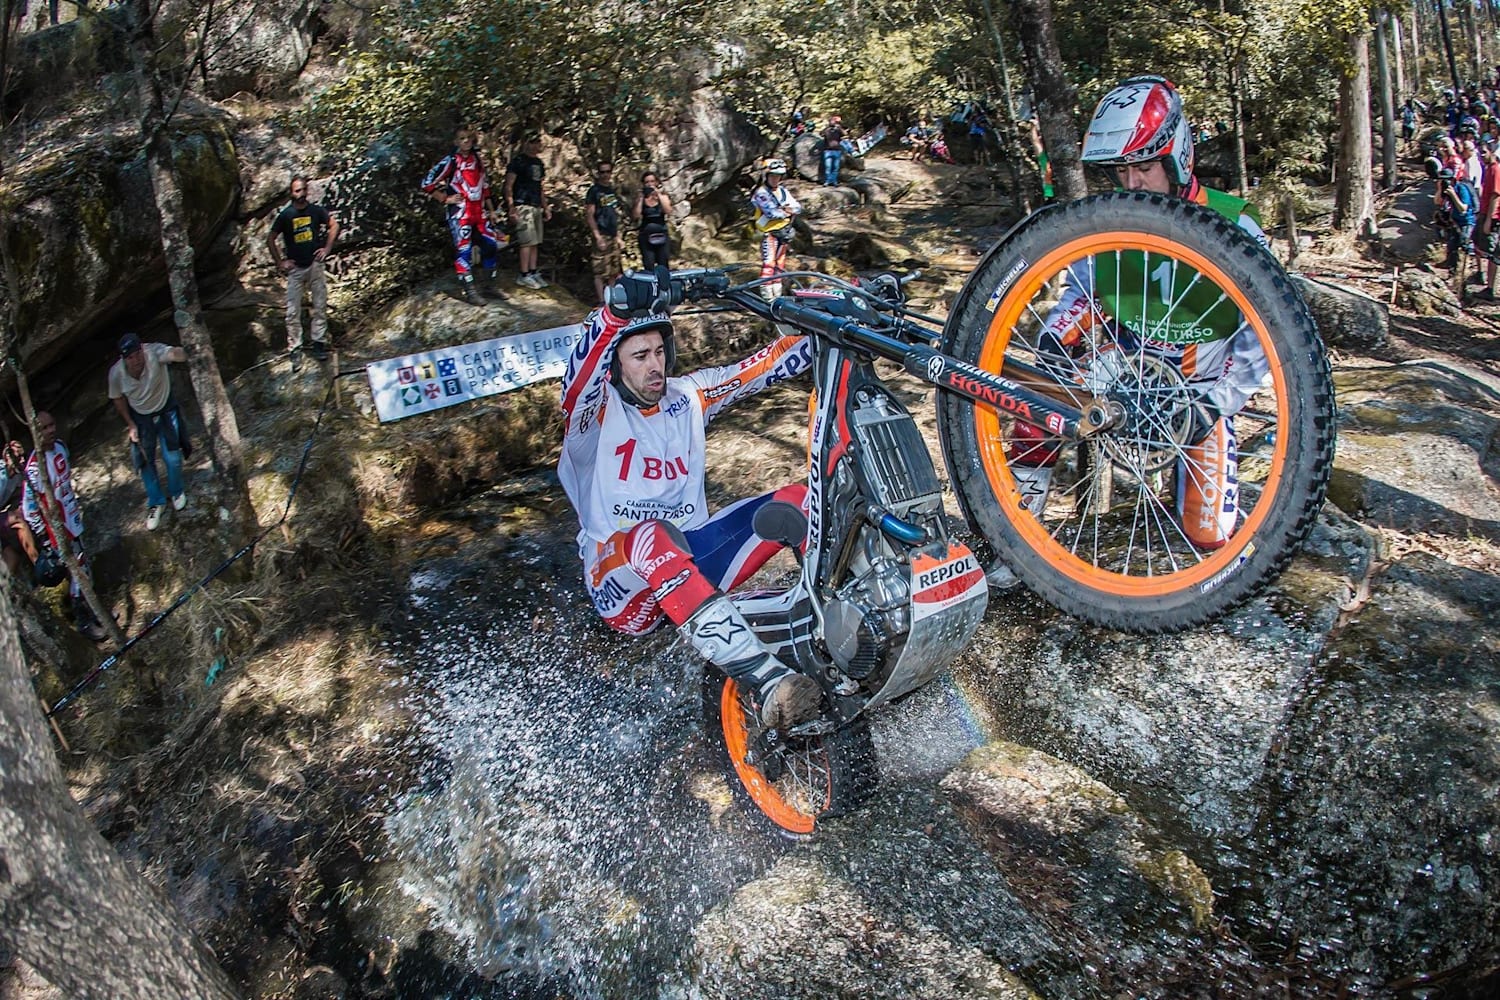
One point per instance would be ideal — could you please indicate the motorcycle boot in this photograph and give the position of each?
(1208, 487)
(471, 294)
(721, 635)
(1031, 453)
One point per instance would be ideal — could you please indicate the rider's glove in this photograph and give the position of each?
(641, 293)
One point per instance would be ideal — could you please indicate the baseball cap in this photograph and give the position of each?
(129, 344)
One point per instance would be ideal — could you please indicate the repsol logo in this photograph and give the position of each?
(788, 367)
(948, 571)
(608, 595)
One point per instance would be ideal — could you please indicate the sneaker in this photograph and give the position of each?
(179, 501)
(153, 518)
(539, 281)
(1485, 295)
(792, 700)
(318, 350)
(524, 281)
(297, 360)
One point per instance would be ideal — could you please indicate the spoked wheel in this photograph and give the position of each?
(792, 781)
(1215, 466)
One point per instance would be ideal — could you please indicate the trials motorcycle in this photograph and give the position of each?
(886, 595)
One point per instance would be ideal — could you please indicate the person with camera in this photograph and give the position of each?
(1456, 212)
(57, 498)
(652, 208)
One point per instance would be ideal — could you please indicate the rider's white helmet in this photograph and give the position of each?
(775, 166)
(1138, 121)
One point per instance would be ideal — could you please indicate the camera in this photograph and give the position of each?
(648, 190)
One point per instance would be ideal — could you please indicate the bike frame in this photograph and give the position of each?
(947, 586)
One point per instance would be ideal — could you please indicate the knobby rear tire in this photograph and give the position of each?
(1291, 421)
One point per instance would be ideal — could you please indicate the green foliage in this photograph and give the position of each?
(1282, 56)
(595, 69)
(598, 71)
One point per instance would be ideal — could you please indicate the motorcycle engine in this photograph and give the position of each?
(870, 615)
(871, 612)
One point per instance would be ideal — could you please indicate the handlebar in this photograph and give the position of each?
(876, 322)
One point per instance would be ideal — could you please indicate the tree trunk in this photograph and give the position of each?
(1416, 51)
(1237, 122)
(203, 367)
(1055, 97)
(1471, 22)
(1401, 92)
(69, 905)
(1014, 147)
(1387, 106)
(1353, 194)
(1447, 38)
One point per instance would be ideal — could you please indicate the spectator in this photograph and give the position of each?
(1485, 238)
(16, 539)
(307, 231)
(1468, 150)
(141, 388)
(1043, 164)
(62, 503)
(833, 150)
(652, 208)
(602, 207)
(1447, 154)
(776, 208)
(526, 207)
(916, 138)
(1456, 212)
(1408, 120)
(459, 182)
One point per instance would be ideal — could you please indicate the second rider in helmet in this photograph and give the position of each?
(1140, 133)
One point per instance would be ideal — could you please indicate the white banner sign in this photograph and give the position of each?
(432, 380)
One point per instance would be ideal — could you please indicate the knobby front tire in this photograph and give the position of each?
(806, 780)
(1105, 540)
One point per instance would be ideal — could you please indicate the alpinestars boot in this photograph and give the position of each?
(721, 635)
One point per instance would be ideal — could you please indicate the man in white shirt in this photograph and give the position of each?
(141, 388)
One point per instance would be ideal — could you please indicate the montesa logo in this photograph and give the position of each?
(947, 571)
(935, 367)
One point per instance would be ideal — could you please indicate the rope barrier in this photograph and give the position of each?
(245, 549)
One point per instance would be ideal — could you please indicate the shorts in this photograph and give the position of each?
(528, 225)
(1486, 243)
(606, 263)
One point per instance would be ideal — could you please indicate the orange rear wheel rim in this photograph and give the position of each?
(990, 434)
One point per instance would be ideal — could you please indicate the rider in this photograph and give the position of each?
(777, 207)
(458, 181)
(1140, 132)
(632, 464)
